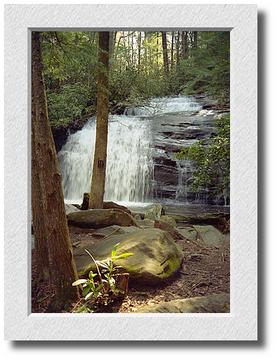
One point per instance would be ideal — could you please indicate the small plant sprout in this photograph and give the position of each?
(100, 286)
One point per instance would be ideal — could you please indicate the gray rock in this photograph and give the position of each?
(146, 223)
(168, 220)
(70, 209)
(188, 232)
(209, 235)
(216, 303)
(156, 256)
(155, 212)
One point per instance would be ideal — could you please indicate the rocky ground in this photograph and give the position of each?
(200, 265)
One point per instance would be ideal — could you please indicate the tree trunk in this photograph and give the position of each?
(165, 54)
(61, 264)
(178, 48)
(41, 244)
(184, 44)
(100, 152)
(139, 48)
(195, 36)
(172, 50)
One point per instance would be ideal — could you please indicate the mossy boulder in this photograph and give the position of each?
(215, 303)
(156, 257)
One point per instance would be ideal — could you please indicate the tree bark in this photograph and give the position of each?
(165, 54)
(195, 37)
(178, 48)
(100, 152)
(41, 244)
(61, 264)
(172, 50)
(139, 49)
(184, 44)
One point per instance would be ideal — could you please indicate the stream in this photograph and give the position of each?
(142, 167)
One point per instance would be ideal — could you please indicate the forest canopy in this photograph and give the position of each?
(142, 65)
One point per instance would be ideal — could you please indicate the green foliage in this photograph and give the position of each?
(207, 69)
(137, 72)
(67, 103)
(212, 160)
(100, 287)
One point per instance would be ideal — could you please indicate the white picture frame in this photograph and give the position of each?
(241, 322)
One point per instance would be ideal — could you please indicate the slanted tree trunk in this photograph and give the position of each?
(54, 223)
(100, 152)
(165, 54)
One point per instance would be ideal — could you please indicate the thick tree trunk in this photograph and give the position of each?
(61, 264)
(41, 244)
(100, 153)
(165, 54)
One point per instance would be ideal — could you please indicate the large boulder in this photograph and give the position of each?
(99, 218)
(209, 235)
(216, 303)
(156, 257)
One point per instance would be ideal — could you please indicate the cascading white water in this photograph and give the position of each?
(129, 161)
(164, 105)
(129, 175)
(185, 169)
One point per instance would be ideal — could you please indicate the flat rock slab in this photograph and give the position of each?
(100, 218)
(156, 256)
(216, 303)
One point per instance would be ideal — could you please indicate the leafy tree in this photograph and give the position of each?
(139, 68)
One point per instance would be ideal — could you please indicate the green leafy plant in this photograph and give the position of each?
(100, 286)
(212, 160)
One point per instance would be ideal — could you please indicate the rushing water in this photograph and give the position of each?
(137, 140)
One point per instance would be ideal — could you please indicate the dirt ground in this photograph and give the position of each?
(205, 270)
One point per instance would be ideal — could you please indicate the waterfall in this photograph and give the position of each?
(129, 161)
(135, 143)
(185, 169)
